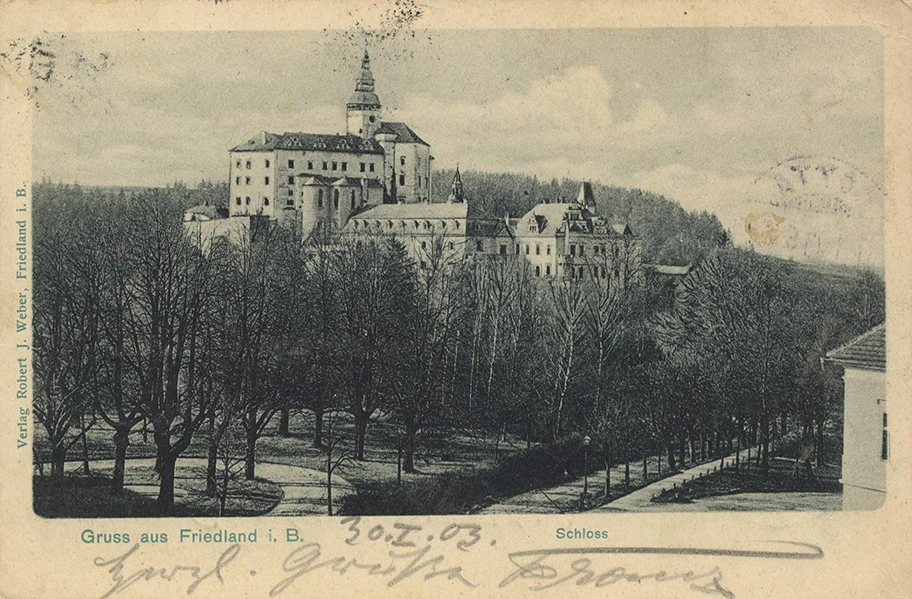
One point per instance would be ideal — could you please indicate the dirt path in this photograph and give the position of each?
(304, 489)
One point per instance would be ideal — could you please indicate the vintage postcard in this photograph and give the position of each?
(455, 299)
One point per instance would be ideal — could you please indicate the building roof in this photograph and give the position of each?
(403, 133)
(867, 351)
(204, 209)
(316, 179)
(364, 95)
(417, 210)
(550, 219)
(320, 142)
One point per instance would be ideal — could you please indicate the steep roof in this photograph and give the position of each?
(205, 210)
(418, 210)
(403, 133)
(364, 95)
(867, 351)
(310, 142)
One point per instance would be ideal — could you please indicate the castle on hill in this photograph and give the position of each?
(376, 180)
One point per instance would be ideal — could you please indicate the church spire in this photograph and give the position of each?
(457, 193)
(363, 108)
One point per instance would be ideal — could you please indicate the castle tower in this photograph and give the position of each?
(457, 193)
(363, 108)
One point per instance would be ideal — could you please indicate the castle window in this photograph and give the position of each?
(247, 200)
(503, 249)
(336, 199)
(248, 164)
(237, 200)
(335, 165)
(478, 246)
(418, 162)
(419, 180)
(572, 250)
(537, 250)
(548, 250)
(362, 167)
(247, 180)
(289, 202)
(456, 224)
(237, 164)
(372, 118)
(582, 250)
(579, 272)
(266, 180)
(265, 201)
(443, 224)
(291, 192)
(537, 271)
(291, 179)
(402, 160)
(451, 245)
(371, 169)
(517, 249)
(527, 249)
(320, 199)
(267, 164)
(424, 246)
(324, 165)
(548, 269)
(310, 165)
(344, 166)
(353, 199)
(416, 225)
(290, 164)
(401, 179)
(237, 180)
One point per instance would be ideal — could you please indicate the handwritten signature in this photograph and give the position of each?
(116, 568)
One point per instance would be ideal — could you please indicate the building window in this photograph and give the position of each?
(548, 250)
(527, 249)
(353, 200)
(517, 249)
(291, 192)
(247, 180)
(344, 166)
(402, 160)
(401, 179)
(478, 246)
(335, 165)
(503, 249)
(266, 180)
(362, 167)
(336, 199)
(310, 165)
(320, 199)
(548, 269)
(572, 250)
(267, 164)
(324, 165)
(237, 164)
(885, 441)
(537, 271)
(579, 272)
(237, 180)
(424, 245)
(371, 168)
(237, 200)
(289, 202)
(265, 201)
(537, 249)
(582, 250)
(291, 164)
(248, 164)
(451, 245)
(419, 180)
(247, 200)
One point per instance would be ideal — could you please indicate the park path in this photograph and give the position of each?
(564, 498)
(641, 499)
(304, 489)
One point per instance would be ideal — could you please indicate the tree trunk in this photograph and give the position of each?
(85, 447)
(672, 466)
(166, 466)
(764, 443)
(645, 466)
(58, 459)
(360, 434)
(212, 468)
(607, 470)
(329, 484)
(408, 456)
(682, 449)
(284, 415)
(318, 428)
(250, 453)
(121, 442)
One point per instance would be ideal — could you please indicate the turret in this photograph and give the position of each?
(457, 193)
(363, 108)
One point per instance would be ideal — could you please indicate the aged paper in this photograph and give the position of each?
(455, 299)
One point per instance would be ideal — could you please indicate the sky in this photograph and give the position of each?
(716, 119)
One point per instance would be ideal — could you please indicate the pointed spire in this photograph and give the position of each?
(364, 95)
(586, 197)
(457, 193)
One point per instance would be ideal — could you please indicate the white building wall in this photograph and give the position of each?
(864, 471)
